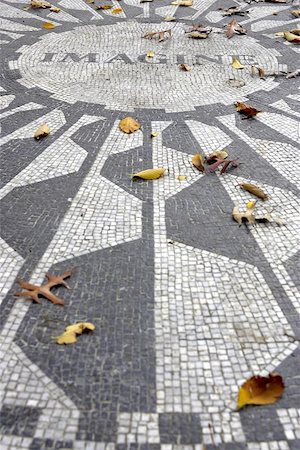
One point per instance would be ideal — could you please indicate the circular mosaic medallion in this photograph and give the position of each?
(108, 65)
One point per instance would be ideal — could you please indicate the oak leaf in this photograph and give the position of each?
(259, 390)
(69, 336)
(42, 131)
(149, 174)
(129, 125)
(255, 190)
(236, 64)
(247, 110)
(198, 162)
(33, 291)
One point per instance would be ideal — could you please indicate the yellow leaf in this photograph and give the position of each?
(198, 161)
(149, 174)
(48, 25)
(251, 204)
(129, 125)
(104, 7)
(236, 64)
(42, 131)
(220, 154)
(69, 336)
(150, 54)
(291, 37)
(55, 9)
(155, 134)
(117, 11)
(183, 3)
(255, 190)
(259, 390)
(181, 177)
(170, 19)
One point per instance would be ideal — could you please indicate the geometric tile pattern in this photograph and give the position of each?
(186, 304)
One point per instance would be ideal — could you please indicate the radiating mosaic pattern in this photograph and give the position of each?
(186, 304)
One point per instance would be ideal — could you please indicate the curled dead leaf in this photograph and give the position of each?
(218, 154)
(259, 390)
(129, 125)
(48, 25)
(255, 190)
(291, 37)
(43, 4)
(198, 162)
(246, 216)
(149, 174)
(247, 110)
(258, 70)
(197, 35)
(69, 336)
(185, 67)
(42, 131)
(234, 28)
(162, 35)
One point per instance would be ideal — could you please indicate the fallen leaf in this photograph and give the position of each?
(104, 7)
(42, 131)
(251, 204)
(255, 190)
(199, 27)
(129, 125)
(234, 28)
(236, 64)
(295, 12)
(294, 74)
(48, 25)
(150, 54)
(224, 163)
(181, 177)
(236, 83)
(275, 13)
(117, 11)
(43, 4)
(258, 70)
(214, 156)
(183, 3)
(55, 9)
(291, 37)
(246, 216)
(185, 67)
(197, 35)
(155, 134)
(170, 19)
(247, 110)
(259, 390)
(33, 291)
(296, 31)
(149, 174)
(69, 336)
(234, 10)
(198, 162)
(163, 35)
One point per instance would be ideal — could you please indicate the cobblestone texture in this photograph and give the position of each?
(186, 304)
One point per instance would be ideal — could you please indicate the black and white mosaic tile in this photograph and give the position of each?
(186, 304)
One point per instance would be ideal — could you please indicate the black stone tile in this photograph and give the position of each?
(50, 444)
(261, 424)
(18, 420)
(180, 428)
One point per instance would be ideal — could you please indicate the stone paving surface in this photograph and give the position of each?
(186, 304)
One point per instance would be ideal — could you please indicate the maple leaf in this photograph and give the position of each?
(259, 390)
(247, 110)
(33, 291)
(129, 125)
(149, 174)
(234, 28)
(69, 336)
(163, 35)
(255, 190)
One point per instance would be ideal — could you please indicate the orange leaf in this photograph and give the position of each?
(48, 25)
(245, 109)
(259, 390)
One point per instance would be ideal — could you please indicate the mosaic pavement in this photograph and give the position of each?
(186, 304)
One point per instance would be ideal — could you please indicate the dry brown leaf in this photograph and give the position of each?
(48, 25)
(295, 12)
(259, 390)
(43, 4)
(33, 291)
(236, 64)
(170, 19)
(42, 131)
(218, 154)
(234, 28)
(129, 125)
(183, 3)
(163, 35)
(247, 110)
(69, 336)
(185, 67)
(255, 190)
(291, 37)
(246, 216)
(258, 70)
(197, 35)
(149, 174)
(198, 162)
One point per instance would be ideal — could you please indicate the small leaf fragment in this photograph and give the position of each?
(218, 154)
(104, 7)
(247, 110)
(258, 70)
(42, 131)
(259, 390)
(198, 162)
(69, 336)
(295, 12)
(170, 19)
(117, 11)
(155, 134)
(185, 67)
(181, 177)
(129, 125)
(236, 64)
(182, 3)
(197, 35)
(255, 190)
(246, 216)
(48, 25)
(149, 174)
(150, 54)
